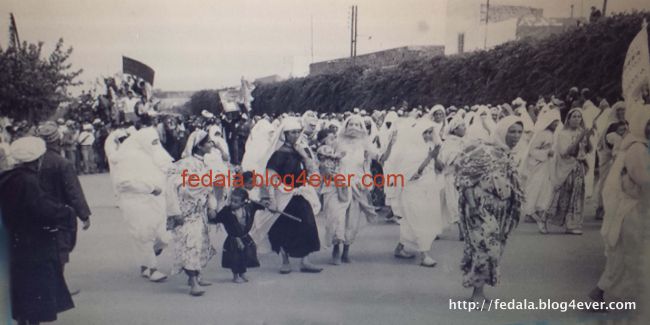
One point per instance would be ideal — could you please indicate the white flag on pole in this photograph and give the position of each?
(636, 70)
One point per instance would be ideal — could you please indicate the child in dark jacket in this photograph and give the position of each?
(239, 250)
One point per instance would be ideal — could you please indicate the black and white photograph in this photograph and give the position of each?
(287, 162)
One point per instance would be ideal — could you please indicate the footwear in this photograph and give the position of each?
(145, 272)
(427, 261)
(574, 232)
(541, 226)
(75, 292)
(345, 257)
(238, 280)
(400, 253)
(336, 255)
(285, 269)
(310, 269)
(200, 282)
(194, 288)
(157, 276)
(243, 277)
(158, 247)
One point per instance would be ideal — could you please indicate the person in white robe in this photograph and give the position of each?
(145, 197)
(625, 189)
(419, 201)
(482, 125)
(590, 113)
(256, 144)
(391, 158)
(357, 151)
(438, 116)
(112, 145)
(218, 160)
(605, 150)
(449, 151)
(535, 169)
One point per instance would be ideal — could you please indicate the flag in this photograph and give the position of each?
(14, 40)
(246, 93)
(636, 69)
(229, 100)
(137, 69)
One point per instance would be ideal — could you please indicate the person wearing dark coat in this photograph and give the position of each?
(59, 180)
(239, 250)
(32, 220)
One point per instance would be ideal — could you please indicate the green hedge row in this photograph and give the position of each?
(588, 56)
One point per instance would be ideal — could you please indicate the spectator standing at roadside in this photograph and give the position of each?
(59, 180)
(86, 141)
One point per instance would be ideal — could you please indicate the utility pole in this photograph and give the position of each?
(356, 22)
(487, 19)
(312, 38)
(604, 7)
(571, 11)
(353, 34)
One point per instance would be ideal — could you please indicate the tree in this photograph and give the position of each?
(205, 100)
(32, 87)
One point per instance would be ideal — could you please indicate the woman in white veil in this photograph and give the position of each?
(259, 139)
(536, 168)
(625, 189)
(357, 151)
(437, 115)
(397, 144)
(482, 125)
(449, 151)
(418, 202)
(146, 198)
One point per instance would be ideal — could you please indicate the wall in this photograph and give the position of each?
(377, 60)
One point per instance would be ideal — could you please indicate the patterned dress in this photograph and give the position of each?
(192, 249)
(487, 171)
(567, 205)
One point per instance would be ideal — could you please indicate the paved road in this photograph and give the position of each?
(375, 289)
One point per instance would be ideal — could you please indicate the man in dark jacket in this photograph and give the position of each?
(32, 220)
(59, 180)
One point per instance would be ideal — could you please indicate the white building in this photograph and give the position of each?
(467, 30)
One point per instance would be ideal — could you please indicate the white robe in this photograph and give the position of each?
(448, 153)
(538, 187)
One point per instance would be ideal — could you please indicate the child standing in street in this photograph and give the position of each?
(239, 249)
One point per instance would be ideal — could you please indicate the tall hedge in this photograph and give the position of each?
(588, 56)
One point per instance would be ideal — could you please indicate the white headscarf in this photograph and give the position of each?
(439, 127)
(140, 158)
(616, 201)
(27, 149)
(414, 149)
(455, 122)
(192, 141)
(529, 125)
(501, 131)
(288, 123)
(259, 139)
(482, 126)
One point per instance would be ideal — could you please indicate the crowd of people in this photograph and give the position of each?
(479, 169)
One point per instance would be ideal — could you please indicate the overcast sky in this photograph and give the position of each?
(198, 44)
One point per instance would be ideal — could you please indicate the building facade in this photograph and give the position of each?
(377, 60)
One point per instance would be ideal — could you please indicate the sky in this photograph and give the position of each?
(201, 44)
